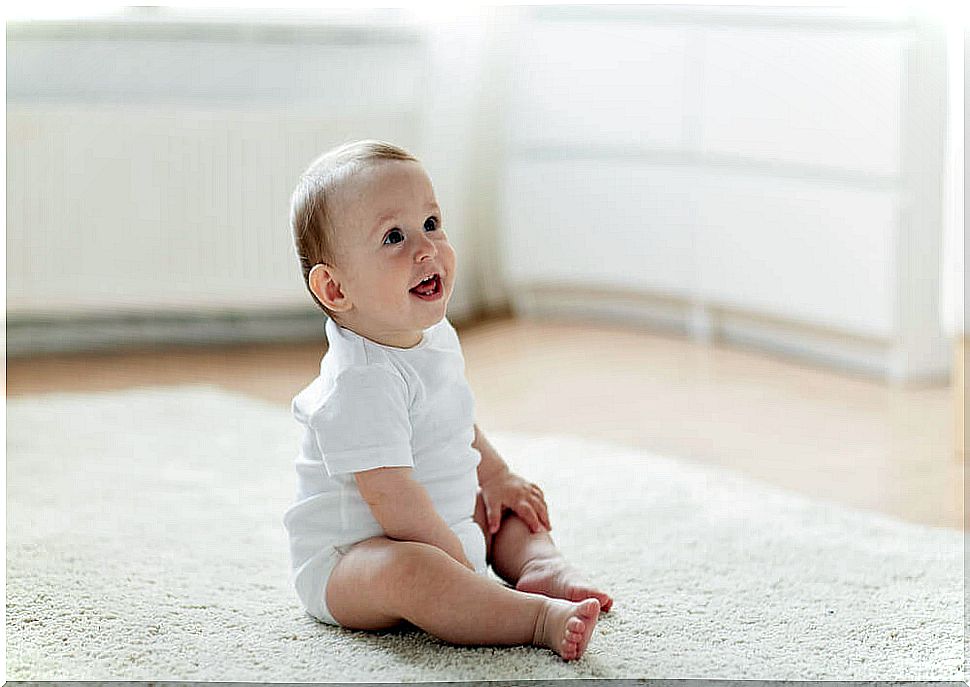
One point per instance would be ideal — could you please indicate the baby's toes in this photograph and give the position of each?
(604, 599)
(582, 592)
(575, 629)
(589, 611)
(574, 640)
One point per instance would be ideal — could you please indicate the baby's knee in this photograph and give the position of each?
(409, 559)
(381, 563)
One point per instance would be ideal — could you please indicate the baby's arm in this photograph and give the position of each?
(491, 464)
(502, 489)
(403, 508)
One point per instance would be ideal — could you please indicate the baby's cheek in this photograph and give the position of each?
(450, 261)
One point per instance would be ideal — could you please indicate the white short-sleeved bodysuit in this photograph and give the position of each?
(378, 406)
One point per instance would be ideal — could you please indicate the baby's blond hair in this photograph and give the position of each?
(311, 205)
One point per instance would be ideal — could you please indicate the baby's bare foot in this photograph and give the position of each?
(558, 579)
(565, 627)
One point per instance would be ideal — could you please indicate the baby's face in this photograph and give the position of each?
(389, 237)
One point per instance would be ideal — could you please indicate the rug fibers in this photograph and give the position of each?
(145, 542)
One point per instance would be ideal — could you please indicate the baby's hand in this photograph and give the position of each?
(509, 491)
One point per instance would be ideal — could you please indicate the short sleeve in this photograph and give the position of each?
(364, 423)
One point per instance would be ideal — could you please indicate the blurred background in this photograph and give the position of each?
(732, 234)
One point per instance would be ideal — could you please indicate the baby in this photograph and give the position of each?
(402, 501)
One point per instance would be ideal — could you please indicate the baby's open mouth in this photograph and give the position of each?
(429, 289)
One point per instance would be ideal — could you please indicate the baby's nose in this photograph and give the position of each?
(426, 248)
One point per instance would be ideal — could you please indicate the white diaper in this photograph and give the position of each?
(473, 542)
(317, 570)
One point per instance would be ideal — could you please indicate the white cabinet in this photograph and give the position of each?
(608, 84)
(771, 176)
(817, 97)
(818, 253)
(599, 225)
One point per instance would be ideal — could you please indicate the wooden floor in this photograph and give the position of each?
(839, 437)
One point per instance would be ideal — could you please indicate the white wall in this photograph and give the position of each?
(768, 176)
(741, 168)
(151, 161)
(954, 246)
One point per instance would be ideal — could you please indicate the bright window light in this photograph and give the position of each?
(944, 10)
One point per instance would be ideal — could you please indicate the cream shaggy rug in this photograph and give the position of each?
(144, 542)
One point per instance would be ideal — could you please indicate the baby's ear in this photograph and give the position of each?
(326, 287)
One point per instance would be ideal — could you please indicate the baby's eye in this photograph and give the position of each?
(430, 224)
(394, 232)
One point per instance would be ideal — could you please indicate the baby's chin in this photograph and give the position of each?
(431, 320)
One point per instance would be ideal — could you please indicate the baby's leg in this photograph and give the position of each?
(531, 562)
(380, 582)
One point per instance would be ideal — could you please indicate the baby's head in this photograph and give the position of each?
(368, 230)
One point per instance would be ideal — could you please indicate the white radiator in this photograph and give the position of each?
(154, 208)
(150, 163)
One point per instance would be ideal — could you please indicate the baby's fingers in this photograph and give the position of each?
(543, 513)
(530, 516)
(539, 504)
(493, 513)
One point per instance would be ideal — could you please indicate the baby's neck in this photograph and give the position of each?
(394, 339)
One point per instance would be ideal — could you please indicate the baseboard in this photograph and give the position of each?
(871, 357)
(29, 335)
(843, 351)
(35, 334)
